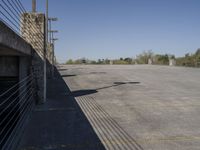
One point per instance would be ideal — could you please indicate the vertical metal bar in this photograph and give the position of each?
(50, 30)
(53, 64)
(53, 46)
(45, 50)
(52, 37)
(47, 18)
(34, 6)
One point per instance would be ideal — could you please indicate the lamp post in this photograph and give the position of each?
(52, 42)
(51, 32)
(50, 21)
(54, 39)
(45, 48)
(53, 55)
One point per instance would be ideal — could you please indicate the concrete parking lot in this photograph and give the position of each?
(135, 107)
(139, 107)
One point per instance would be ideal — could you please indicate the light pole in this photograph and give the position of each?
(51, 32)
(50, 21)
(45, 51)
(53, 55)
(52, 42)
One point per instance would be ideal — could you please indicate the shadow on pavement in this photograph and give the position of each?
(80, 93)
(97, 72)
(68, 75)
(120, 83)
(115, 84)
(83, 92)
(60, 123)
(62, 69)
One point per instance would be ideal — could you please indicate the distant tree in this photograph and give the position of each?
(99, 61)
(120, 62)
(93, 62)
(78, 61)
(171, 56)
(198, 60)
(83, 61)
(162, 59)
(190, 60)
(187, 55)
(128, 60)
(70, 61)
(121, 59)
(107, 61)
(197, 52)
(144, 57)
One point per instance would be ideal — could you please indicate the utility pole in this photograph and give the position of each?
(53, 46)
(45, 52)
(50, 33)
(53, 56)
(33, 6)
(52, 43)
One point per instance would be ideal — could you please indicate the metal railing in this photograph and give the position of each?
(15, 105)
(11, 12)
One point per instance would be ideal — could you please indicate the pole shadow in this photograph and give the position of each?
(108, 123)
(60, 123)
(62, 69)
(68, 75)
(85, 92)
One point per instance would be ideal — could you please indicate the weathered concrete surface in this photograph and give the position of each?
(33, 30)
(11, 43)
(162, 112)
(129, 107)
(59, 124)
(9, 66)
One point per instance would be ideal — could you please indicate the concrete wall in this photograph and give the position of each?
(14, 66)
(10, 41)
(24, 66)
(9, 66)
(33, 30)
(20, 57)
(18, 54)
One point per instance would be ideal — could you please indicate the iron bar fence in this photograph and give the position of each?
(15, 105)
(11, 12)
(17, 102)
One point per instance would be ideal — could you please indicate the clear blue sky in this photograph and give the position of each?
(123, 28)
